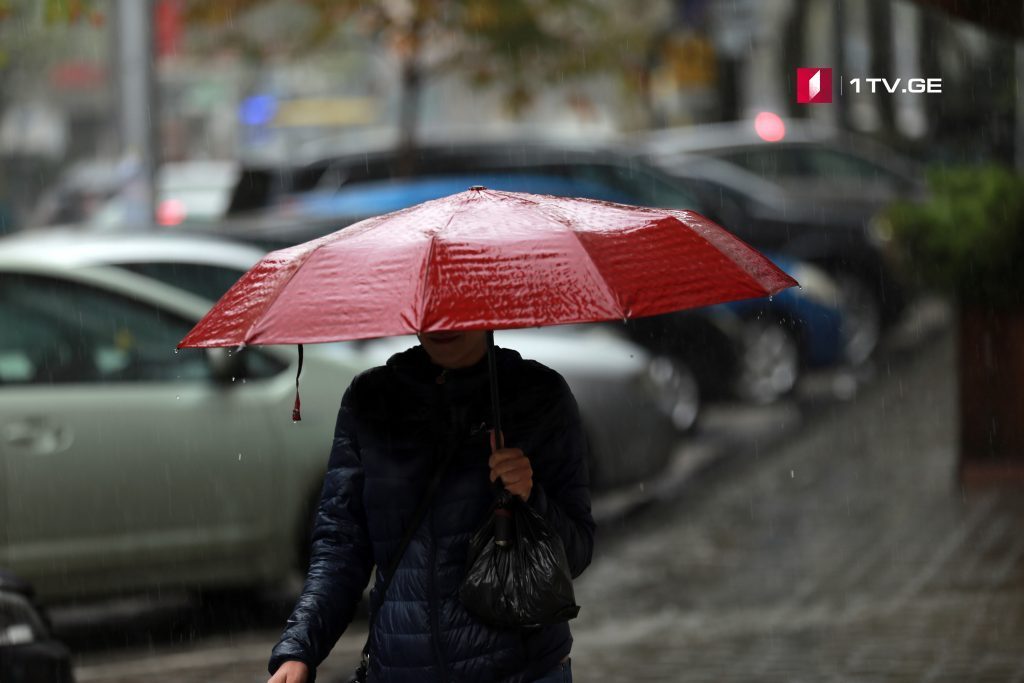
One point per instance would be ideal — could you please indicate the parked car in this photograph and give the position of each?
(128, 465)
(81, 190)
(812, 195)
(193, 192)
(28, 651)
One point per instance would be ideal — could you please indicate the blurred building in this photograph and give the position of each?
(248, 88)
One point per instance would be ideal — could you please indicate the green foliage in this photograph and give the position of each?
(968, 237)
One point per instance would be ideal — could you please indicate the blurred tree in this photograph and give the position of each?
(31, 32)
(34, 36)
(519, 46)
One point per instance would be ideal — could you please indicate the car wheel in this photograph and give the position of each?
(862, 318)
(677, 391)
(769, 360)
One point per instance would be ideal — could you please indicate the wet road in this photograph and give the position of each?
(842, 553)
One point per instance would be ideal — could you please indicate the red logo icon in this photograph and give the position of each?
(814, 85)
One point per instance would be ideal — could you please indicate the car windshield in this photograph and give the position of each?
(806, 162)
(205, 280)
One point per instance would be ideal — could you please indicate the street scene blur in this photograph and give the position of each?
(823, 484)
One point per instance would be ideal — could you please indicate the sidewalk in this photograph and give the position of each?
(843, 554)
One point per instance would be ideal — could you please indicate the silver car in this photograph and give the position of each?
(128, 465)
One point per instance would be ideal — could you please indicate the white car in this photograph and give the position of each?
(129, 465)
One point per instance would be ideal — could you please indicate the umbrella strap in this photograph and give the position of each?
(297, 408)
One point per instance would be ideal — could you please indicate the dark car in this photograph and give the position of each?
(813, 195)
(28, 651)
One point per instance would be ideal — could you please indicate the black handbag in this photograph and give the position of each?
(517, 572)
(364, 663)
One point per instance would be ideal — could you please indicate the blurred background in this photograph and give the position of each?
(825, 485)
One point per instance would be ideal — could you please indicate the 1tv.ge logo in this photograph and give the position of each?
(813, 86)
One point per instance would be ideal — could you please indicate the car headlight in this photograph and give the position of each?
(817, 285)
(19, 622)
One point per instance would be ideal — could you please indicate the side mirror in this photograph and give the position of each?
(226, 365)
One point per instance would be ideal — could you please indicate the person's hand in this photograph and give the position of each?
(291, 672)
(513, 468)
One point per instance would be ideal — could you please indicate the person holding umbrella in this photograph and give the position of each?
(420, 426)
(393, 428)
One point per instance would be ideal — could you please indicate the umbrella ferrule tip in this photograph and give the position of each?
(477, 187)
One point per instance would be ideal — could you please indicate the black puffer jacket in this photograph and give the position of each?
(394, 425)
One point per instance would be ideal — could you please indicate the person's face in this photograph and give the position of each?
(455, 349)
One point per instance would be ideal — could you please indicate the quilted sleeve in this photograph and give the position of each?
(340, 559)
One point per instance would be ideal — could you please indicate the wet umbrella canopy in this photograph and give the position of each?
(483, 259)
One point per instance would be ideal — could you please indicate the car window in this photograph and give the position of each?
(807, 161)
(56, 332)
(647, 187)
(836, 164)
(207, 281)
(776, 161)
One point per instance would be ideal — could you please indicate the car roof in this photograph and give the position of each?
(697, 167)
(705, 139)
(72, 248)
(112, 278)
(386, 140)
(726, 134)
(382, 196)
(506, 151)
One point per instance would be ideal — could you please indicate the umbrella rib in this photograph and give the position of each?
(422, 294)
(609, 293)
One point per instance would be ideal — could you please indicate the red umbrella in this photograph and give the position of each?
(484, 259)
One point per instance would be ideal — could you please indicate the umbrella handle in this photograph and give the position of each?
(502, 513)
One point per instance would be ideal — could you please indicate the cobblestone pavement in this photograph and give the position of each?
(842, 554)
(846, 554)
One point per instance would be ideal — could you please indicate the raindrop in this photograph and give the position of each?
(641, 487)
(177, 398)
(176, 352)
(243, 380)
(232, 379)
(239, 457)
(792, 474)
